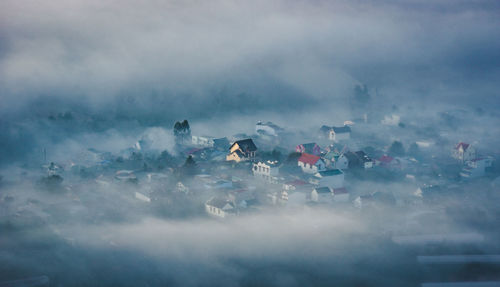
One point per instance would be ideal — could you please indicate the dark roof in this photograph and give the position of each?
(362, 155)
(325, 129)
(309, 145)
(352, 157)
(463, 145)
(330, 172)
(340, 130)
(239, 153)
(323, 189)
(246, 145)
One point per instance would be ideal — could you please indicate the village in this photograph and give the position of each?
(423, 192)
(269, 169)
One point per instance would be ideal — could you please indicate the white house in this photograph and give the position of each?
(220, 207)
(333, 178)
(340, 133)
(311, 163)
(268, 170)
(464, 152)
(337, 160)
(476, 167)
(322, 194)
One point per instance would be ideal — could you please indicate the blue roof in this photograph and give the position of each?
(330, 172)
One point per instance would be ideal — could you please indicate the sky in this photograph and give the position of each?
(102, 74)
(200, 52)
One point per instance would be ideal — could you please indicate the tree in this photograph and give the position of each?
(189, 167)
(182, 131)
(397, 149)
(414, 151)
(189, 161)
(293, 158)
(361, 94)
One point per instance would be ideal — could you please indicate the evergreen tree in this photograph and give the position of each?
(397, 149)
(182, 131)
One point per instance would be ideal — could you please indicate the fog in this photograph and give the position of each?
(99, 186)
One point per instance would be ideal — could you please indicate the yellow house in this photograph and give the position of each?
(242, 150)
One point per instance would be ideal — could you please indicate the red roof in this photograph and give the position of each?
(342, 190)
(463, 145)
(309, 158)
(385, 159)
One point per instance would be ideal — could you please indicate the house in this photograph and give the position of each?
(181, 188)
(322, 194)
(310, 148)
(203, 141)
(390, 162)
(336, 160)
(358, 159)
(324, 131)
(333, 178)
(53, 169)
(476, 167)
(339, 133)
(311, 163)
(220, 207)
(268, 170)
(464, 152)
(340, 194)
(268, 129)
(242, 150)
(385, 160)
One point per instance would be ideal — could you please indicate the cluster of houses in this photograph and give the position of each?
(317, 178)
(237, 176)
(473, 165)
(319, 174)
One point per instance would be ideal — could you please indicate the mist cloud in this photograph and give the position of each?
(100, 50)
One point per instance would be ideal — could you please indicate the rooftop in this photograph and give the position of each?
(246, 145)
(323, 189)
(330, 172)
(309, 158)
(340, 130)
(462, 145)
